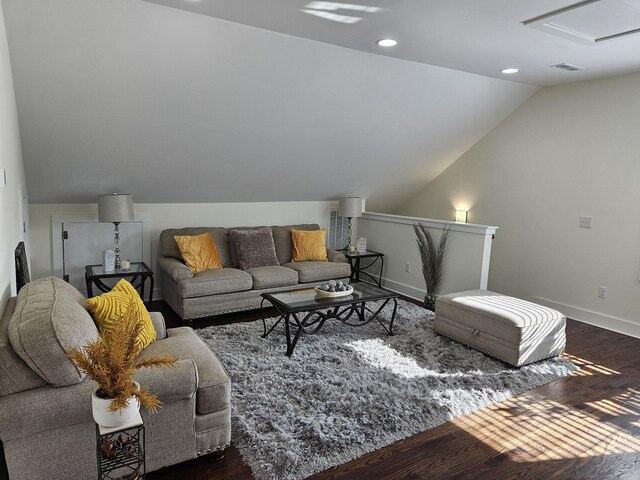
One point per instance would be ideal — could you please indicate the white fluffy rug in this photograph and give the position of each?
(348, 391)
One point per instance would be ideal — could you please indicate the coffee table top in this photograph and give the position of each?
(308, 299)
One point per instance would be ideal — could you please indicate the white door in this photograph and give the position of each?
(83, 243)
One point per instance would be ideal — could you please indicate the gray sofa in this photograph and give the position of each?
(46, 425)
(231, 289)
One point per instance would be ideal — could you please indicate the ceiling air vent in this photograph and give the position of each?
(567, 66)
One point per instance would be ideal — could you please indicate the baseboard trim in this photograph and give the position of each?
(607, 322)
(406, 290)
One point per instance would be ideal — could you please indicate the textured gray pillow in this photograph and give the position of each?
(255, 248)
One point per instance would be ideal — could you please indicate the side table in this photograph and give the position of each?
(139, 272)
(374, 258)
(120, 451)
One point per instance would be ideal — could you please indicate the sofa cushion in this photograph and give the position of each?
(254, 248)
(199, 252)
(214, 385)
(282, 239)
(169, 247)
(273, 276)
(51, 319)
(317, 271)
(211, 282)
(15, 374)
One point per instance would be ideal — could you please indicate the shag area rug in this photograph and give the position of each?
(347, 391)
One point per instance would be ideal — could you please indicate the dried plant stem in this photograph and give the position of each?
(111, 362)
(433, 260)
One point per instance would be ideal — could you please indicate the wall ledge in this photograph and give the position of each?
(429, 222)
(607, 322)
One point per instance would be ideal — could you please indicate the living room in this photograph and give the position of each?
(268, 114)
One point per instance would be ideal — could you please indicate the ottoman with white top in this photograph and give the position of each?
(513, 330)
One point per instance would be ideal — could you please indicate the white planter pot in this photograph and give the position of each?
(105, 418)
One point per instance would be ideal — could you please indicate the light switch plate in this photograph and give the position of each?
(585, 222)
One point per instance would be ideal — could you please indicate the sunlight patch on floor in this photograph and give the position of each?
(588, 368)
(532, 430)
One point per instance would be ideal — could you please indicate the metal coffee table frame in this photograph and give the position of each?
(351, 310)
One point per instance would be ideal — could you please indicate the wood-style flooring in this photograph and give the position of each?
(585, 426)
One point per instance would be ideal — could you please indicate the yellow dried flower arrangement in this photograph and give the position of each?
(111, 362)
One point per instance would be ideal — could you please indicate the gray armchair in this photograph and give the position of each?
(45, 403)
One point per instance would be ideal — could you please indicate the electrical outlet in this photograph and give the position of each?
(602, 292)
(585, 222)
(407, 267)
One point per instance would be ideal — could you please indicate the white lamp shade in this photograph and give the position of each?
(350, 207)
(115, 208)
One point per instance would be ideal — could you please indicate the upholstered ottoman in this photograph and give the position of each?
(513, 330)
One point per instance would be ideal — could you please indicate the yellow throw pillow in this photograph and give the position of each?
(108, 308)
(308, 245)
(199, 252)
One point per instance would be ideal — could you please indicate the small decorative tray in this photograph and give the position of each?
(324, 293)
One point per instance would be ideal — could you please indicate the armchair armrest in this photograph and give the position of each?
(46, 408)
(335, 256)
(170, 384)
(174, 268)
(158, 324)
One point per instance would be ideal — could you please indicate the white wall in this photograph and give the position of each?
(568, 151)
(11, 161)
(467, 259)
(175, 215)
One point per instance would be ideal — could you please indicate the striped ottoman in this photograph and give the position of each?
(513, 330)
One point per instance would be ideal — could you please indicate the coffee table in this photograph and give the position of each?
(306, 312)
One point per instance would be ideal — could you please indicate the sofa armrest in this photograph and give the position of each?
(335, 256)
(158, 324)
(174, 268)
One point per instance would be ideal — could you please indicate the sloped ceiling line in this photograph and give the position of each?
(175, 107)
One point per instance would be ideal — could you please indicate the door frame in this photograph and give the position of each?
(57, 221)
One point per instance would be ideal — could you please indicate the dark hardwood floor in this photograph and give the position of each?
(585, 426)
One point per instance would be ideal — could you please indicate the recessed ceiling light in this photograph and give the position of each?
(509, 70)
(387, 42)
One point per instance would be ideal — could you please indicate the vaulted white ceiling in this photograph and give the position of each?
(172, 106)
(478, 36)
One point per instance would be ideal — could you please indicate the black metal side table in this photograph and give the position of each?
(374, 258)
(120, 451)
(138, 273)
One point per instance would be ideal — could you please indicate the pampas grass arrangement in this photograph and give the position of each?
(111, 362)
(433, 261)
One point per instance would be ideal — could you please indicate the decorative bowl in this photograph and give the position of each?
(324, 293)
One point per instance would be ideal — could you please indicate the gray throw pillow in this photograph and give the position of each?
(255, 248)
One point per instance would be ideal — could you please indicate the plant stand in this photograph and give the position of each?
(120, 451)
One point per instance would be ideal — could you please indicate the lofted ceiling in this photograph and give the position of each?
(256, 100)
(481, 37)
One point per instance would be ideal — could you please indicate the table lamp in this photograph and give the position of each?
(114, 209)
(350, 207)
